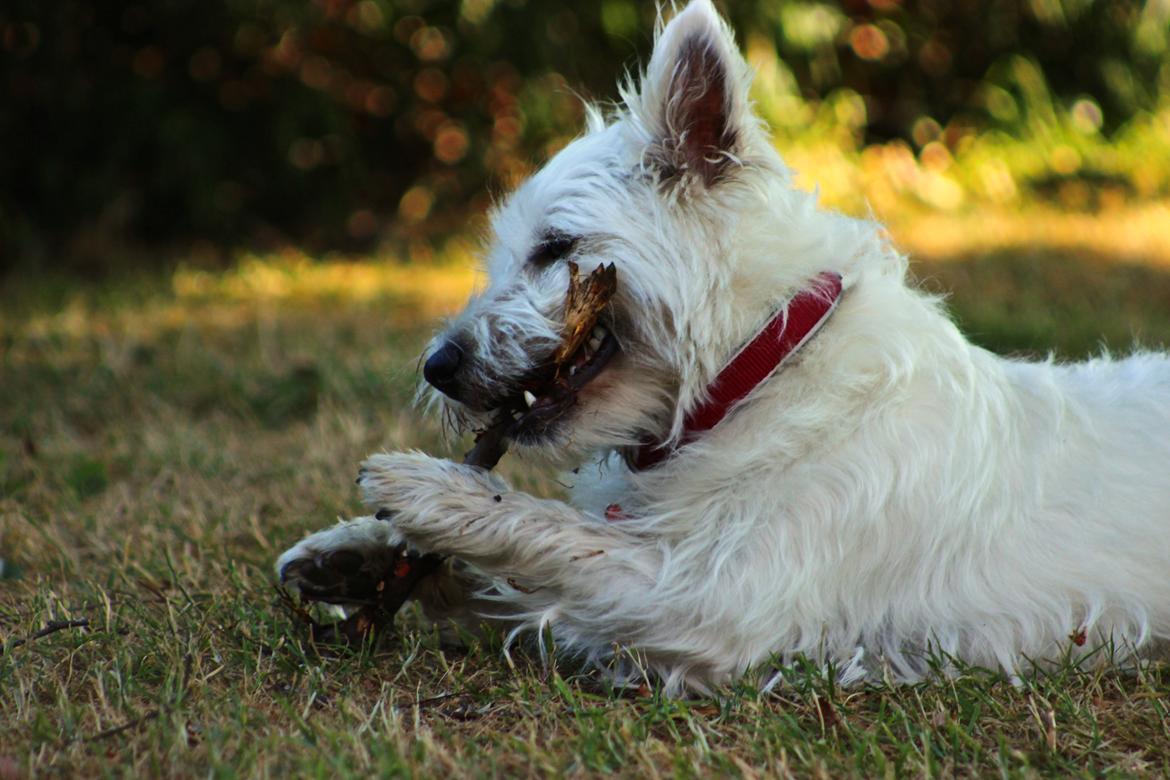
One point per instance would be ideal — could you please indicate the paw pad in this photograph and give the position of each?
(337, 577)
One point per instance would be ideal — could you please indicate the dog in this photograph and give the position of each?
(781, 447)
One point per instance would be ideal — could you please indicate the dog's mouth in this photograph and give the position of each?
(548, 393)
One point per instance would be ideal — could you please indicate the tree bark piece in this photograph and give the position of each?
(586, 299)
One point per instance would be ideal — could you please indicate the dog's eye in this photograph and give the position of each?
(551, 249)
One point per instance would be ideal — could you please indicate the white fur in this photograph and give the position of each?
(893, 493)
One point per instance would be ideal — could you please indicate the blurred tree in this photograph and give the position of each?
(336, 123)
(934, 58)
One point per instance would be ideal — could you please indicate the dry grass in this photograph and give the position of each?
(161, 440)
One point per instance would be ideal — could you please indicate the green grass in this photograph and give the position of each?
(161, 441)
(1036, 301)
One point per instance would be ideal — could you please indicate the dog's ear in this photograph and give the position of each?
(693, 100)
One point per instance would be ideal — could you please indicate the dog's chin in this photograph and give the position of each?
(575, 430)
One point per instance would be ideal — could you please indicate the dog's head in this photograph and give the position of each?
(682, 191)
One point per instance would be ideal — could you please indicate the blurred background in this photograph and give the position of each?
(180, 130)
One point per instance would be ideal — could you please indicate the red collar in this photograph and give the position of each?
(789, 330)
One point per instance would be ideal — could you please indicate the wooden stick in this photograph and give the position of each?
(52, 627)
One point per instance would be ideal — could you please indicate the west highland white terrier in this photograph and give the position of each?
(783, 447)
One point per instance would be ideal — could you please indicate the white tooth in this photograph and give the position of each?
(599, 332)
(594, 344)
(572, 369)
(529, 399)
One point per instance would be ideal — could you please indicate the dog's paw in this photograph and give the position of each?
(412, 488)
(344, 564)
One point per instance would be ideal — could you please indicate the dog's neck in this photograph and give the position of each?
(780, 338)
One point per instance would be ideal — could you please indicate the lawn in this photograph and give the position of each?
(164, 437)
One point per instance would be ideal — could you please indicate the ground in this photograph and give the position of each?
(164, 437)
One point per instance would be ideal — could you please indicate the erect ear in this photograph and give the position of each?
(693, 100)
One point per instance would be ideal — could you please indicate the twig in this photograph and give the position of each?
(116, 730)
(441, 697)
(52, 627)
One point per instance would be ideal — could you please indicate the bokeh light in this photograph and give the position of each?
(345, 123)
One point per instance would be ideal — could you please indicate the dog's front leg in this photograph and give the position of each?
(444, 507)
(597, 585)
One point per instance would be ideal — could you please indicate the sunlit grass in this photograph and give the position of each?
(150, 301)
(1043, 261)
(435, 286)
(1134, 233)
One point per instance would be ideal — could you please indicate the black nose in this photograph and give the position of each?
(442, 367)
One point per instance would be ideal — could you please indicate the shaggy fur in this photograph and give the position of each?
(894, 494)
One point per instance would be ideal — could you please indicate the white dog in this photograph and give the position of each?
(858, 484)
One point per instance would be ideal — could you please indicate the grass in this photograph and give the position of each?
(163, 438)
